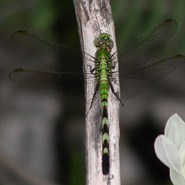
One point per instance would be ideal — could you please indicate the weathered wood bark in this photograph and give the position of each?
(95, 17)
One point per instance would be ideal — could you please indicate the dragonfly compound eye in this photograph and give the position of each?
(110, 43)
(97, 42)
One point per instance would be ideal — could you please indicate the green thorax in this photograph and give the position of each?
(103, 63)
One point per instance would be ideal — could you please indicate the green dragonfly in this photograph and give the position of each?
(137, 69)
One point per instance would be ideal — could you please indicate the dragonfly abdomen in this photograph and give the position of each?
(104, 90)
(105, 142)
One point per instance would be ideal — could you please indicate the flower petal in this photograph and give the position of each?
(175, 130)
(176, 178)
(167, 152)
(182, 157)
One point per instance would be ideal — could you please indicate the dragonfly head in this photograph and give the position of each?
(104, 40)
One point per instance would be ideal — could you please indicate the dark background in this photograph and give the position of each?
(42, 132)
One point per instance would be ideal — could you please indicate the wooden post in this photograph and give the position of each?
(95, 17)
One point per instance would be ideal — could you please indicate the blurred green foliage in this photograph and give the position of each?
(55, 20)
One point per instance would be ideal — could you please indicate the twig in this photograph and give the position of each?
(95, 17)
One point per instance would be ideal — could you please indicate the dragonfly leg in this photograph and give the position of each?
(94, 95)
(112, 89)
(114, 64)
(92, 70)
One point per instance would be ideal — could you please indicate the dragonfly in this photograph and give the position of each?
(137, 69)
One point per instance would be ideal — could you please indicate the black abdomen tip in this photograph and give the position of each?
(105, 164)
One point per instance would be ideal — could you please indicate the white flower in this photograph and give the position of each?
(170, 149)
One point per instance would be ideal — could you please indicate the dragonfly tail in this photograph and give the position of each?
(105, 142)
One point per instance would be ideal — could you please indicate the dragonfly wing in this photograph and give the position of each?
(49, 79)
(47, 53)
(45, 79)
(148, 47)
(142, 78)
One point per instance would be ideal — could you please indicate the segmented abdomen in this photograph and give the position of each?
(105, 126)
(103, 73)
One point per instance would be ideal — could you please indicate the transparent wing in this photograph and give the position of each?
(40, 79)
(44, 55)
(147, 48)
(144, 77)
(70, 60)
(141, 63)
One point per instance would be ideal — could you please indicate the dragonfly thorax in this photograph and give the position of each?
(102, 54)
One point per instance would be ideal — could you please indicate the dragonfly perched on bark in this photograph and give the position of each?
(137, 69)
